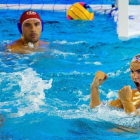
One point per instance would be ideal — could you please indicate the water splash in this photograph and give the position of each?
(29, 95)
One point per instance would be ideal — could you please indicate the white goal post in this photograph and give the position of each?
(123, 18)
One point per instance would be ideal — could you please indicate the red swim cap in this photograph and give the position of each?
(27, 15)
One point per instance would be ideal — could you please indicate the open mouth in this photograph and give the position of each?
(137, 85)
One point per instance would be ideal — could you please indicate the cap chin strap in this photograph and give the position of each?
(20, 29)
(29, 45)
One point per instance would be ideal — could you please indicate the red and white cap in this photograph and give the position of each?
(136, 58)
(29, 15)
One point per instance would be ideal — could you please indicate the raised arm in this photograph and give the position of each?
(99, 78)
(125, 95)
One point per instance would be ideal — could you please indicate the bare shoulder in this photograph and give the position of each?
(41, 42)
(134, 91)
(15, 43)
(14, 46)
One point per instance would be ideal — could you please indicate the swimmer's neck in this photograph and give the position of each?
(36, 44)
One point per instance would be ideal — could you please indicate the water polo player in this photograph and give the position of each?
(30, 27)
(129, 100)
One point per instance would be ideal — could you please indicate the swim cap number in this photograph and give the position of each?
(31, 13)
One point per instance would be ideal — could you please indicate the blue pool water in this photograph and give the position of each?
(56, 1)
(136, 2)
(46, 95)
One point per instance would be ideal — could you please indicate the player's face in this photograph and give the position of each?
(135, 74)
(31, 30)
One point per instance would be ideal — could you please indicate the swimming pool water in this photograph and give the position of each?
(46, 95)
(55, 1)
(135, 2)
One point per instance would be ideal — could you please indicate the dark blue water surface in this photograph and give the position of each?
(46, 95)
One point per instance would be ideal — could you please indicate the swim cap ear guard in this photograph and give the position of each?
(19, 27)
(20, 30)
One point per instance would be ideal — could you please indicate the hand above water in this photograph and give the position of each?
(125, 94)
(99, 79)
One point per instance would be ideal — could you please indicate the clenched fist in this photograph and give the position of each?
(125, 94)
(99, 78)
